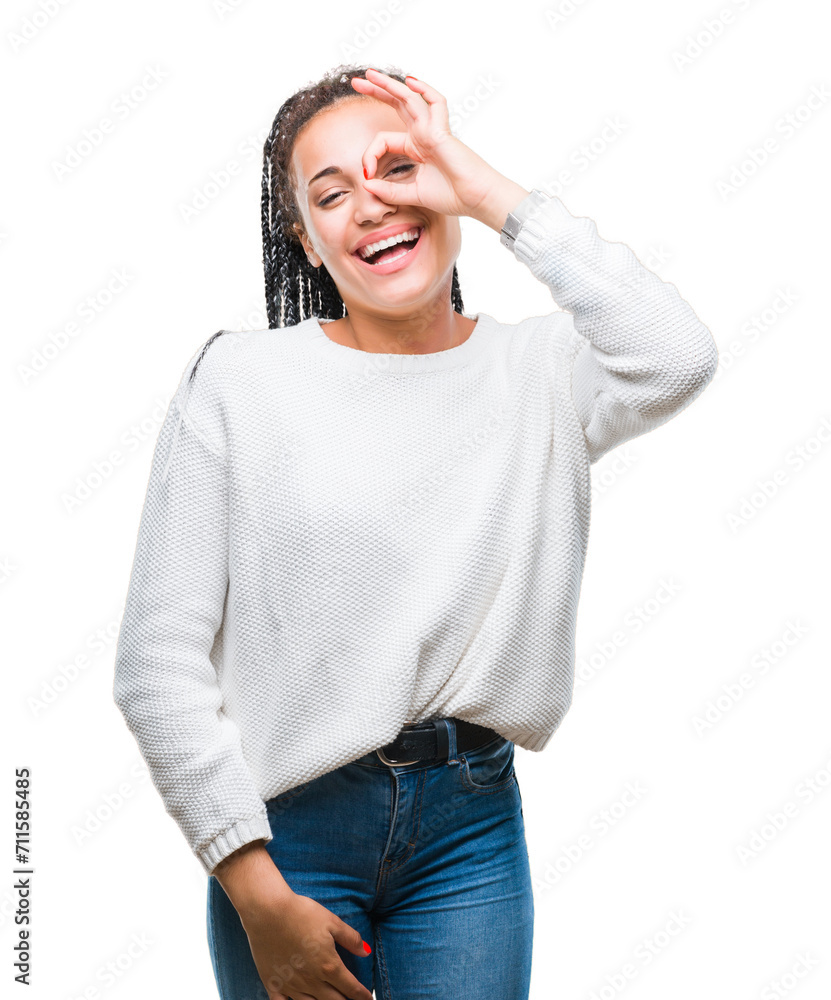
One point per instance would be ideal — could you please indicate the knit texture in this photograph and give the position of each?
(333, 542)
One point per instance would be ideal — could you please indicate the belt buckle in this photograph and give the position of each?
(396, 763)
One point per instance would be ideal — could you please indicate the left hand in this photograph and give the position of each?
(450, 178)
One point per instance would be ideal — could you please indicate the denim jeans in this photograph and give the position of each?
(428, 861)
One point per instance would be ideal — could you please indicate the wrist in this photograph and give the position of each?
(250, 879)
(500, 200)
(515, 222)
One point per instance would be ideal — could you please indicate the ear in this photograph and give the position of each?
(314, 260)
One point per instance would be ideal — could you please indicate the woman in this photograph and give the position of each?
(357, 572)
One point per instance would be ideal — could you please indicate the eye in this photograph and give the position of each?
(401, 166)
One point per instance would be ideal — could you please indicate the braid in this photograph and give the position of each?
(269, 245)
(294, 289)
(204, 350)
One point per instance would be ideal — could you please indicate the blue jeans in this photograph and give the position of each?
(428, 861)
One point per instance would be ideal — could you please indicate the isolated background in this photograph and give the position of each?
(704, 881)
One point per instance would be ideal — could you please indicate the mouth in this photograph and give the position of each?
(393, 258)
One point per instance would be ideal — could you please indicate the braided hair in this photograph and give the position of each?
(294, 289)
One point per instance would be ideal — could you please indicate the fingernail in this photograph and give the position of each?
(366, 175)
(408, 77)
(367, 949)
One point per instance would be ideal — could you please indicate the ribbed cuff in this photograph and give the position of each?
(230, 840)
(543, 217)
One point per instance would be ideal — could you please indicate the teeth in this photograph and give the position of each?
(372, 248)
(398, 256)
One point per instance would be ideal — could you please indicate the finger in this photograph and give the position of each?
(373, 90)
(393, 193)
(393, 92)
(383, 143)
(349, 937)
(433, 102)
(430, 94)
(348, 986)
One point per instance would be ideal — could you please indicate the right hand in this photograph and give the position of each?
(293, 947)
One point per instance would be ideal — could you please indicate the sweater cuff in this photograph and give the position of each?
(243, 832)
(542, 217)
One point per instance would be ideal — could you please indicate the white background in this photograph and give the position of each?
(727, 915)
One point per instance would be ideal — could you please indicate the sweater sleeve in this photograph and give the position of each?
(639, 353)
(165, 684)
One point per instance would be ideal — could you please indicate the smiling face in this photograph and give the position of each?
(339, 214)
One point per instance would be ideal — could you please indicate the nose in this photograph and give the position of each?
(370, 208)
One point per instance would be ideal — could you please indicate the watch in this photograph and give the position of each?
(526, 209)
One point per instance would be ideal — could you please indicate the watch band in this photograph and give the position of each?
(526, 209)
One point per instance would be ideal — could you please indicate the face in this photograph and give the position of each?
(339, 213)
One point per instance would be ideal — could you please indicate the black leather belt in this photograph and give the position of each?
(427, 741)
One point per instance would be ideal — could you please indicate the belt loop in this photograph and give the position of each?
(446, 738)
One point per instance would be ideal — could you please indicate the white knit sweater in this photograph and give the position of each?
(334, 542)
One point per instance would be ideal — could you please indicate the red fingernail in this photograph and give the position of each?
(367, 949)
(366, 175)
(408, 77)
